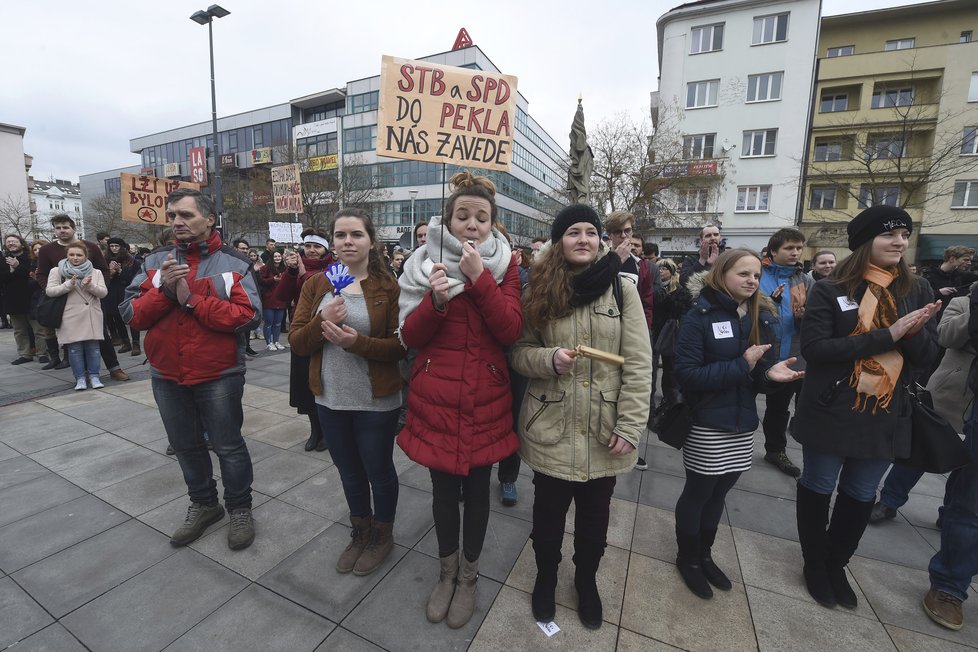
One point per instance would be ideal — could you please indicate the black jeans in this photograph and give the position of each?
(701, 503)
(509, 468)
(445, 489)
(777, 416)
(592, 508)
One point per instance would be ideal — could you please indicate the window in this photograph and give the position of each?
(360, 139)
(701, 94)
(363, 102)
(973, 89)
(879, 196)
(753, 198)
(257, 137)
(708, 38)
(965, 37)
(885, 98)
(965, 194)
(843, 51)
(885, 147)
(770, 29)
(899, 44)
(320, 145)
(764, 88)
(692, 200)
(828, 150)
(822, 197)
(698, 146)
(969, 141)
(759, 143)
(834, 102)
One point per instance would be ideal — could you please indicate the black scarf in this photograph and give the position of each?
(595, 280)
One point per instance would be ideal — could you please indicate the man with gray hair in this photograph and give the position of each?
(710, 248)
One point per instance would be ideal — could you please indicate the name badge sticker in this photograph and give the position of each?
(722, 330)
(847, 304)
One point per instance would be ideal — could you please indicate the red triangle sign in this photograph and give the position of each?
(463, 40)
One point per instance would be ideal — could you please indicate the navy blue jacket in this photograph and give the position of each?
(710, 366)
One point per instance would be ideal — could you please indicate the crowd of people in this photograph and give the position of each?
(468, 352)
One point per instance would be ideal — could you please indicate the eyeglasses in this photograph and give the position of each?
(625, 232)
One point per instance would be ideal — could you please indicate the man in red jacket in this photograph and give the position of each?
(197, 300)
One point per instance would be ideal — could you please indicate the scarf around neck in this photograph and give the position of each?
(876, 376)
(594, 281)
(68, 270)
(496, 257)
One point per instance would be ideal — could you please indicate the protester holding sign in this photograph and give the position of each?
(459, 310)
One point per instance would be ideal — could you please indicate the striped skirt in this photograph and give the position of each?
(712, 452)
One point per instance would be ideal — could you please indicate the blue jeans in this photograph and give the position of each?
(857, 478)
(900, 481)
(215, 406)
(361, 444)
(272, 323)
(82, 355)
(952, 568)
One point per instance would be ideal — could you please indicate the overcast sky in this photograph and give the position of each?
(85, 77)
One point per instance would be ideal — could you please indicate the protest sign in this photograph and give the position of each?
(284, 232)
(444, 114)
(144, 197)
(287, 189)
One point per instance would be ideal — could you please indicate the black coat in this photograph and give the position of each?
(117, 283)
(17, 285)
(710, 366)
(824, 418)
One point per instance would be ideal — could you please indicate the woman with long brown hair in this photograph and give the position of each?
(867, 329)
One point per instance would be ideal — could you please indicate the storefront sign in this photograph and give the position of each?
(318, 163)
(144, 197)
(261, 155)
(229, 160)
(198, 165)
(171, 170)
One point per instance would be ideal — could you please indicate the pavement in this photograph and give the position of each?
(88, 500)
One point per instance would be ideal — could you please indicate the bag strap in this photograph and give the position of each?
(616, 290)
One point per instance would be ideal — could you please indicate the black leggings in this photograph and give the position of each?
(445, 489)
(701, 503)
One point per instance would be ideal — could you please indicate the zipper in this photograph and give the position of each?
(426, 363)
(494, 370)
(536, 416)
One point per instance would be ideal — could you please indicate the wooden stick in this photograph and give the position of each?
(601, 356)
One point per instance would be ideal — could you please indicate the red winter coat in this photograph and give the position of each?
(460, 404)
(269, 299)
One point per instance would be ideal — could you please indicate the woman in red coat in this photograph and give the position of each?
(459, 310)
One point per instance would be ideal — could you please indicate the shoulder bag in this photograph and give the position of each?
(50, 310)
(935, 447)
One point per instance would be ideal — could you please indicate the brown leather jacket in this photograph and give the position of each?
(380, 347)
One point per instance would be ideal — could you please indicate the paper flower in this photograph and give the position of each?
(339, 275)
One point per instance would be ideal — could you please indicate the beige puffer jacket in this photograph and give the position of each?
(567, 421)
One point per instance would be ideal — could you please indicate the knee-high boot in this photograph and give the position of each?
(812, 512)
(849, 520)
(315, 433)
(54, 354)
(543, 601)
(587, 557)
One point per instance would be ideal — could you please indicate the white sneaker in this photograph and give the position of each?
(271, 347)
(278, 345)
(80, 385)
(95, 382)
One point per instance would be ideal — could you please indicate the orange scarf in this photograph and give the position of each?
(876, 376)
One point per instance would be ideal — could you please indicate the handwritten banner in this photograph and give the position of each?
(320, 163)
(443, 114)
(144, 197)
(287, 189)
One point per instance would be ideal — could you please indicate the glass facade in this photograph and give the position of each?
(270, 134)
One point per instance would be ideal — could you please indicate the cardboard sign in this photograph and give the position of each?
(445, 114)
(284, 231)
(287, 189)
(144, 197)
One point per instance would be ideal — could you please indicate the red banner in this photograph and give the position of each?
(198, 165)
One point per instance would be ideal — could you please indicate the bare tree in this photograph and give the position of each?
(104, 214)
(622, 163)
(15, 217)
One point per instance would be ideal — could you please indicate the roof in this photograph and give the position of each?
(65, 187)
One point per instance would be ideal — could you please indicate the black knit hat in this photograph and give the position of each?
(874, 221)
(570, 216)
(119, 241)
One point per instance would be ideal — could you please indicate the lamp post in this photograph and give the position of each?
(206, 17)
(414, 195)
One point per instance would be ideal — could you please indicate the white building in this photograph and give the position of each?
(14, 180)
(736, 80)
(48, 198)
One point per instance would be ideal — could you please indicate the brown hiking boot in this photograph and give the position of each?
(359, 538)
(441, 597)
(944, 609)
(381, 543)
(136, 350)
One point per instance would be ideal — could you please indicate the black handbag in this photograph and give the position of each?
(674, 425)
(50, 310)
(935, 447)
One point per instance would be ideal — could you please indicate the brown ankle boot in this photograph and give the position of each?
(136, 350)
(441, 597)
(380, 545)
(359, 538)
(463, 602)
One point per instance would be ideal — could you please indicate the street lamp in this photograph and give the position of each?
(414, 194)
(207, 17)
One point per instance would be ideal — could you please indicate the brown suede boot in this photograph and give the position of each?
(380, 545)
(441, 597)
(463, 602)
(359, 538)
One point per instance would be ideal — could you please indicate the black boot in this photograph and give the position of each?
(690, 568)
(812, 512)
(314, 423)
(849, 520)
(53, 354)
(587, 556)
(315, 434)
(711, 571)
(543, 601)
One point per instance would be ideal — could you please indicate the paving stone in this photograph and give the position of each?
(27, 498)
(897, 542)
(53, 638)
(138, 391)
(157, 606)
(921, 510)
(308, 577)
(17, 410)
(406, 628)
(658, 489)
(280, 530)
(284, 470)
(107, 470)
(168, 517)
(678, 617)
(510, 626)
(257, 397)
(252, 616)
(504, 542)
(765, 478)
(522, 509)
(414, 518)
(665, 459)
(321, 494)
(909, 641)
(20, 615)
(342, 640)
(807, 625)
(35, 537)
(19, 468)
(7, 453)
(896, 594)
(628, 485)
(146, 491)
(29, 434)
(620, 526)
(286, 433)
(416, 476)
(75, 453)
(932, 537)
(931, 484)
(759, 513)
(655, 536)
(632, 642)
(70, 578)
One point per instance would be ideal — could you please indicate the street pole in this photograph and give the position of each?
(414, 194)
(218, 191)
